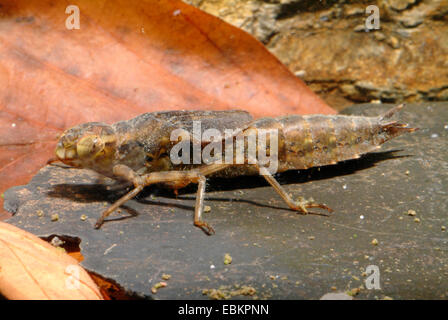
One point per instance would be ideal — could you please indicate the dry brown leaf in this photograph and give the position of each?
(128, 57)
(31, 268)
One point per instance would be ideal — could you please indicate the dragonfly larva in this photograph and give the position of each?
(139, 150)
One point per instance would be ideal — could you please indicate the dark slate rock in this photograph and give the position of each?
(281, 254)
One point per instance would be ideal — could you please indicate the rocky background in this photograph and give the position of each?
(327, 44)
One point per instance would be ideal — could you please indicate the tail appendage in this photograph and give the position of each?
(393, 128)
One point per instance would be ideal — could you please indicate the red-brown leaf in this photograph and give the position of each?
(30, 268)
(127, 58)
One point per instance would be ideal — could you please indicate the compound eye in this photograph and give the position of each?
(66, 141)
(89, 146)
(149, 157)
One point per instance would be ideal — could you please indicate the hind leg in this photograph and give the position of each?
(301, 205)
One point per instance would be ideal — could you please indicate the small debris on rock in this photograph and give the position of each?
(54, 217)
(56, 242)
(227, 259)
(157, 286)
(411, 212)
(375, 242)
(353, 292)
(166, 276)
(224, 292)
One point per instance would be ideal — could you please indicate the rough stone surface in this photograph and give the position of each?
(327, 44)
(276, 253)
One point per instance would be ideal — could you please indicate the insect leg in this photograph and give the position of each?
(127, 174)
(301, 205)
(176, 179)
(51, 162)
(118, 203)
(199, 208)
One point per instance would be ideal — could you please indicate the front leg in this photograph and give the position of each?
(117, 204)
(177, 179)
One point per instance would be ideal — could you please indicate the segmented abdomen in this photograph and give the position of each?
(318, 140)
(311, 141)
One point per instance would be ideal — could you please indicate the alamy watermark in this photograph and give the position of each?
(373, 277)
(373, 20)
(73, 20)
(72, 281)
(259, 146)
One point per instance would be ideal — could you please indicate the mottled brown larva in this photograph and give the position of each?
(139, 151)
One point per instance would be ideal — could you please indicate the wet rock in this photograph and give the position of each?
(271, 247)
